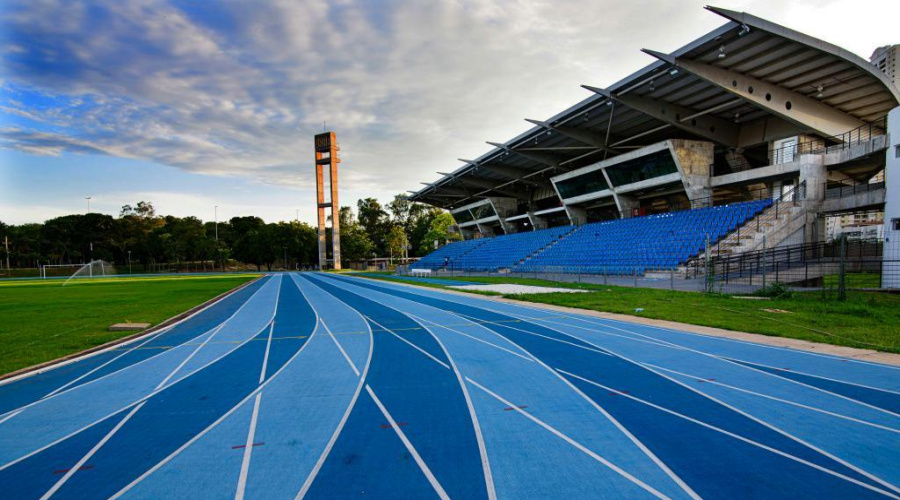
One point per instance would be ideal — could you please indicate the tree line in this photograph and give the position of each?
(140, 237)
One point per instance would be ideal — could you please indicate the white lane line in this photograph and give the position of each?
(409, 447)
(745, 414)
(437, 325)
(213, 425)
(414, 346)
(92, 381)
(479, 438)
(504, 325)
(732, 435)
(333, 338)
(779, 369)
(667, 344)
(659, 463)
(265, 363)
(10, 415)
(95, 422)
(134, 410)
(71, 472)
(343, 352)
(618, 470)
(251, 432)
(739, 341)
(248, 447)
(773, 398)
(117, 346)
(337, 431)
(631, 437)
(107, 363)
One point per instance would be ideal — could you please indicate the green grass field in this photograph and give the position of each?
(42, 320)
(866, 320)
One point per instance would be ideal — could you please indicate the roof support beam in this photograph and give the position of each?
(493, 186)
(575, 133)
(792, 106)
(504, 170)
(545, 158)
(691, 120)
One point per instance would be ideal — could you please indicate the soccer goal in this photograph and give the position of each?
(60, 270)
(93, 269)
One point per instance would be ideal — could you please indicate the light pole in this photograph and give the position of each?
(129, 262)
(216, 208)
(298, 215)
(88, 198)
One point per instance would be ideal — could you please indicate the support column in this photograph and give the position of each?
(626, 205)
(694, 159)
(814, 173)
(890, 264)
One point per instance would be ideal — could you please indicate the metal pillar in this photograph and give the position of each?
(327, 155)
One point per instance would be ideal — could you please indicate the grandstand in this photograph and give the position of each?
(625, 246)
(750, 108)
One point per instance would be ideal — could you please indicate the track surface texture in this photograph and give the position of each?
(310, 385)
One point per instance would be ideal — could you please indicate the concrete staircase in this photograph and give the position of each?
(773, 225)
(545, 247)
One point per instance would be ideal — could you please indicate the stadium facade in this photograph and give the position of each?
(751, 110)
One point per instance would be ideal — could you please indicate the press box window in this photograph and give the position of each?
(895, 224)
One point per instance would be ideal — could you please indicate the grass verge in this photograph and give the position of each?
(866, 320)
(43, 320)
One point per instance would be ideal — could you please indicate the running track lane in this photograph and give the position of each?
(148, 432)
(427, 405)
(20, 392)
(669, 434)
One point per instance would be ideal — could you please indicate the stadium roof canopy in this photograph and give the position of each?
(743, 84)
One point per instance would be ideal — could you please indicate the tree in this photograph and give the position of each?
(374, 221)
(438, 230)
(396, 241)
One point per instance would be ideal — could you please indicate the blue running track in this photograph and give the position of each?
(310, 385)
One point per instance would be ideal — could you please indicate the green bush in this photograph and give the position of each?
(776, 290)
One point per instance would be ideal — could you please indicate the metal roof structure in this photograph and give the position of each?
(744, 84)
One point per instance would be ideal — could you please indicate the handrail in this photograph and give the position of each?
(792, 152)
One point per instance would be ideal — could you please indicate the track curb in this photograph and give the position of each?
(75, 357)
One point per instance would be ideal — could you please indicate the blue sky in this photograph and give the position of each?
(198, 103)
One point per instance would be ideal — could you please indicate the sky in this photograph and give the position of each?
(198, 104)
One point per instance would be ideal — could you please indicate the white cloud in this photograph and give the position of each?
(237, 88)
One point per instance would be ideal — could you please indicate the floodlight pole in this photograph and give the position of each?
(216, 216)
(129, 262)
(88, 198)
(6, 244)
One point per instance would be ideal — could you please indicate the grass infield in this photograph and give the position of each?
(866, 320)
(43, 320)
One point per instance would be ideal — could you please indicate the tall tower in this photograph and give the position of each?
(327, 155)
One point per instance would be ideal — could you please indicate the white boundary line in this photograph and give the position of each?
(220, 325)
(773, 398)
(667, 344)
(134, 410)
(409, 447)
(129, 405)
(116, 346)
(340, 427)
(733, 435)
(245, 462)
(218, 421)
(437, 325)
(747, 415)
(571, 441)
(414, 346)
(485, 462)
(677, 480)
(659, 463)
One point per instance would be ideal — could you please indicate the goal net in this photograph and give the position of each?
(93, 269)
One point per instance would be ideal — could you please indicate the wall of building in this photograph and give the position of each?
(891, 271)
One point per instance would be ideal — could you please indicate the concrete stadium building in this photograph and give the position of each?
(750, 110)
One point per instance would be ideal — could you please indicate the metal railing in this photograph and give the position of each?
(842, 190)
(792, 152)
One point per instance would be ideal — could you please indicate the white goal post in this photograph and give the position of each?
(44, 267)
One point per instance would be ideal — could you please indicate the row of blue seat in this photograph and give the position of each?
(622, 246)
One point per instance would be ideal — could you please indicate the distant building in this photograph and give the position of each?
(887, 59)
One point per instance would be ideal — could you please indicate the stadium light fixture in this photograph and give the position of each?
(820, 90)
(721, 52)
(744, 30)
(674, 72)
(652, 87)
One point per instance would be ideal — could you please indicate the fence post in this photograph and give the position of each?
(764, 262)
(842, 291)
